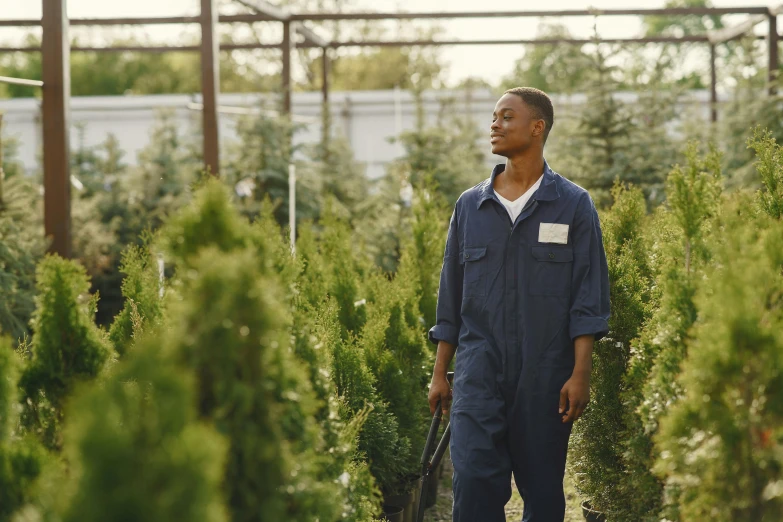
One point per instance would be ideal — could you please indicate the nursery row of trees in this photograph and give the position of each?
(685, 422)
(240, 382)
(237, 383)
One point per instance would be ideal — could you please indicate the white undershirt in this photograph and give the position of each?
(515, 207)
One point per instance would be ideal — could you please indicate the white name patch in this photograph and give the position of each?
(553, 233)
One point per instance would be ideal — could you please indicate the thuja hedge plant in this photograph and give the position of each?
(237, 289)
(597, 451)
(22, 458)
(680, 253)
(719, 446)
(67, 347)
(381, 354)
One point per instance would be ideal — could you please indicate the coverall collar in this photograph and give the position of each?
(546, 192)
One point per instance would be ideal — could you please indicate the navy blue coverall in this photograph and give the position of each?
(513, 305)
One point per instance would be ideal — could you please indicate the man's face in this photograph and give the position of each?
(513, 129)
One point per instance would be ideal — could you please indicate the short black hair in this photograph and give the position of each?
(539, 102)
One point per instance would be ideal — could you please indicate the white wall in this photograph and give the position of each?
(369, 119)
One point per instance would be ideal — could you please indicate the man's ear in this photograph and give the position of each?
(539, 127)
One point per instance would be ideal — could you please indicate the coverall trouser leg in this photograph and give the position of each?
(488, 444)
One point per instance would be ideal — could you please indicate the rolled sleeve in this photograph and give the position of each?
(447, 317)
(589, 312)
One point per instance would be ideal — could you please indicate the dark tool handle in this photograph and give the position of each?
(441, 449)
(425, 456)
(423, 496)
(430, 469)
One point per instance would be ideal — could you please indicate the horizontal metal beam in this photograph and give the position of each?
(256, 17)
(381, 43)
(282, 15)
(21, 81)
(669, 11)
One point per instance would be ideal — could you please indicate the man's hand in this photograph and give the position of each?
(575, 395)
(439, 391)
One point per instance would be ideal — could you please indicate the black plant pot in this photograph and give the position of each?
(392, 513)
(416, 490)
(405, 501)
(592, 515)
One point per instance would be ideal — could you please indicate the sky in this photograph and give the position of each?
(486, 62)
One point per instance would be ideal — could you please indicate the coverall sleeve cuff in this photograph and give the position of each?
(596, 326)
(443, 332)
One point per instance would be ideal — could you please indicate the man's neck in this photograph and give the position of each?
(522, 172)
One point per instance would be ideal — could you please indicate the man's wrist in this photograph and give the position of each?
(439, 373)
(582, 372)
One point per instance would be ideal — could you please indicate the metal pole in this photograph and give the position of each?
(286, 73)
(210, 86)
(292, 205)
(55, 64)
(713, 86)
(325, 75)
(772, 40)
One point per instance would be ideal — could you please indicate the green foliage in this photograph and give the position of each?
(120, 203)
(596, 448)
(614, 140)
(141, 289)
(210, 220)
(21, 246)
(769, 165)
(428, 240)
(20, 459)
(136, 450)
(67, 347)
(720, 443)
(681, 254)
(395, 355)
(260, 159)
(448, 152)
(252, 389)
(379, 440)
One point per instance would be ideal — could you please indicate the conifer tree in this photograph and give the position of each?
(379, 440)
(597, 452)
(21, 242)
(682, 231)
(719, 445)
(230, 328)
(136, 450)
(67, 347)
(21, 247)
(769, 165)
(429, 225)
(21, 458)
(141, 289)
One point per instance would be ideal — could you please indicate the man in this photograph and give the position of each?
(524, 293)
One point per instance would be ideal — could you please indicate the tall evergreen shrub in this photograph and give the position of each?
(253, 390)
(136, 450)
(380, 442)
(21, 458)
(597, 452)
(141, 288)
(680, 255)
(719, 445)
(67, 347)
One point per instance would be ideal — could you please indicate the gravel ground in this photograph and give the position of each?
(441, 512)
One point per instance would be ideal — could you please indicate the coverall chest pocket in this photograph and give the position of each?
(474, 263)
(551, 270)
